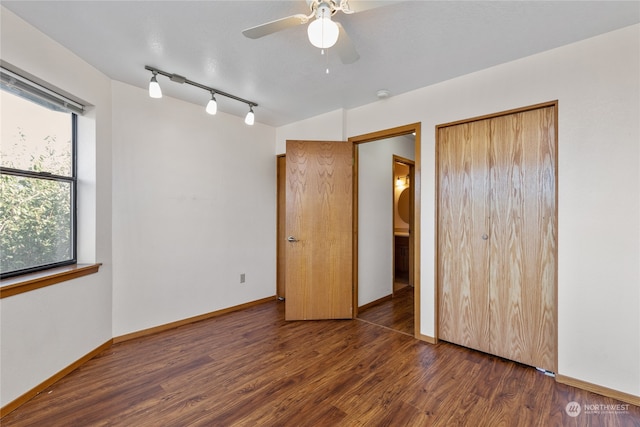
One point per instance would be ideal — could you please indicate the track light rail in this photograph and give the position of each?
(180, 79)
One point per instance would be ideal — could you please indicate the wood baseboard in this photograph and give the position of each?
(11, 406)
(598, 389)
(172, 325)
(372, 303)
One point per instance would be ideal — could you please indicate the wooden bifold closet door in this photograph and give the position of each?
(497, 235)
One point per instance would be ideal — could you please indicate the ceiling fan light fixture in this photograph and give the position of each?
(323, 32)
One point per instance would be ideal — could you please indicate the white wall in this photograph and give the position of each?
(194, 207)
(596, 82)
(44, 331)
(325, 127)
(375, 215)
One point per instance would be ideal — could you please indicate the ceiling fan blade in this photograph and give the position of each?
(345, 48)
(353, 6)
(274, 26)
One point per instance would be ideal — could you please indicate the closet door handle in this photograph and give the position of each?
(292, 239)
(485, 237)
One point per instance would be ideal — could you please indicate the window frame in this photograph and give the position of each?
(72, 180)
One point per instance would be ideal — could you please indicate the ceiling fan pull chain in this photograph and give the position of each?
(322, 52)
(327, 58)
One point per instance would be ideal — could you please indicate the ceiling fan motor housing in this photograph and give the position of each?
(323, 7)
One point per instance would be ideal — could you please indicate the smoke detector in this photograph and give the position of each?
(383, 94)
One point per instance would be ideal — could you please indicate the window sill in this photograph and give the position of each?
(29, 282)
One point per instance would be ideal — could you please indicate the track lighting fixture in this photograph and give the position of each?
(154, 87)
(250, 118)
(212, 105)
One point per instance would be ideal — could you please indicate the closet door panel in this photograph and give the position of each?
(463, 162)
(523, 237)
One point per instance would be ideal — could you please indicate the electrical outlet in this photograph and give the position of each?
(242, 278)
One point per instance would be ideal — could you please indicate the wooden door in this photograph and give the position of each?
(463, 248)
(319, 221)
(523, 236)
(497, 235)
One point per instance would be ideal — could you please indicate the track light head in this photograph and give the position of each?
(154, 87)
(250, 118)
(212, 105)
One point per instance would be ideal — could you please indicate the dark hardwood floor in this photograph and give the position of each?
(252, 368)
(395, 313)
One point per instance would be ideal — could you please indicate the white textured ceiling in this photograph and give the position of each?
(402, 46)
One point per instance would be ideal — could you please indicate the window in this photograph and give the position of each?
(38, 177)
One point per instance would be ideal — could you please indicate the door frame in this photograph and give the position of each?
(280, 231)
(371, 137)
(411, 164)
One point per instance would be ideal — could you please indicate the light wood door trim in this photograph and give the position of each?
(413, 128)
(553, 104)
(281, 241)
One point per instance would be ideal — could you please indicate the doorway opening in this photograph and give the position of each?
(361, 267)
(386, 286)
(403, 171)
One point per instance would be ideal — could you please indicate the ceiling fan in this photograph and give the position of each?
(322, 31)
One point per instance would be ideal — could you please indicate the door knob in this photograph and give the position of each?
(292, 239)
(485, 237)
